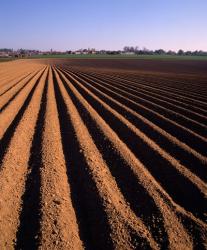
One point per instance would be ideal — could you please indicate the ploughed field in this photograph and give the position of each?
(97, 154)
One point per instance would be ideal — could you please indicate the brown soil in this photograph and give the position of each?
(100, 154)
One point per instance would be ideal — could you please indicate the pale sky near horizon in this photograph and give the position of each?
(105, 24)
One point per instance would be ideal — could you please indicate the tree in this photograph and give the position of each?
(160, 52)
(180, 52)
(170, 52)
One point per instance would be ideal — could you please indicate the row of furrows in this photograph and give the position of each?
(163, 100)
(58, 225)
(16, 143)
(150, 81)
(84, 194)
(185, 117)
(23, 209)
(14, 90)
(143, 90)
(179, 94)
(172, 127)
(196, 85)
(152, 87)
(186, 155)
(29, 226)
(151, 115)
(159, 88)
(193, 113)
(105, 219)
(118, 166)
(12, 76)
(116, 201)
(14, 111)
(191, 89)
(112, 159)
(12, 83)
(47, 218)
(172, 172)
(7, 78)
(27, 234)
(177, 81)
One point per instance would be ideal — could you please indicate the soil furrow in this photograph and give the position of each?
(8, 114)
(172, 91)
(167, 93)
(14, 171)
(10, 123)
(194, 125)
(9, 96)
(126, 230)
(172, 170)
(143, 176)
(141, 88)
(17, 73)
(195, 161)
(12, 84)
(174, 105)
(103, 154)
(184, 134)
(28, 231)
(59, 227)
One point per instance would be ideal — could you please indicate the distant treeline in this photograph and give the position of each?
(126, 50)
(144, 51)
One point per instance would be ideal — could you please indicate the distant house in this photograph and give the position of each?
(128, 53)
(85, 51)
(93, 51)
(78, 52)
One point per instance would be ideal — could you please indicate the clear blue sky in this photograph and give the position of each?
(103, 24)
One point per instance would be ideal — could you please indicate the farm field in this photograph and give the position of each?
(122, 56)
(103, 154)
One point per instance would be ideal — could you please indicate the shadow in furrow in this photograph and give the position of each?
(88, 205)
(10, 130)
(178, 186)
(198, 235)
(140, 202)
(28, 232)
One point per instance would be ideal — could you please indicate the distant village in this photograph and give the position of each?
(127, 50)
(21, 53)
